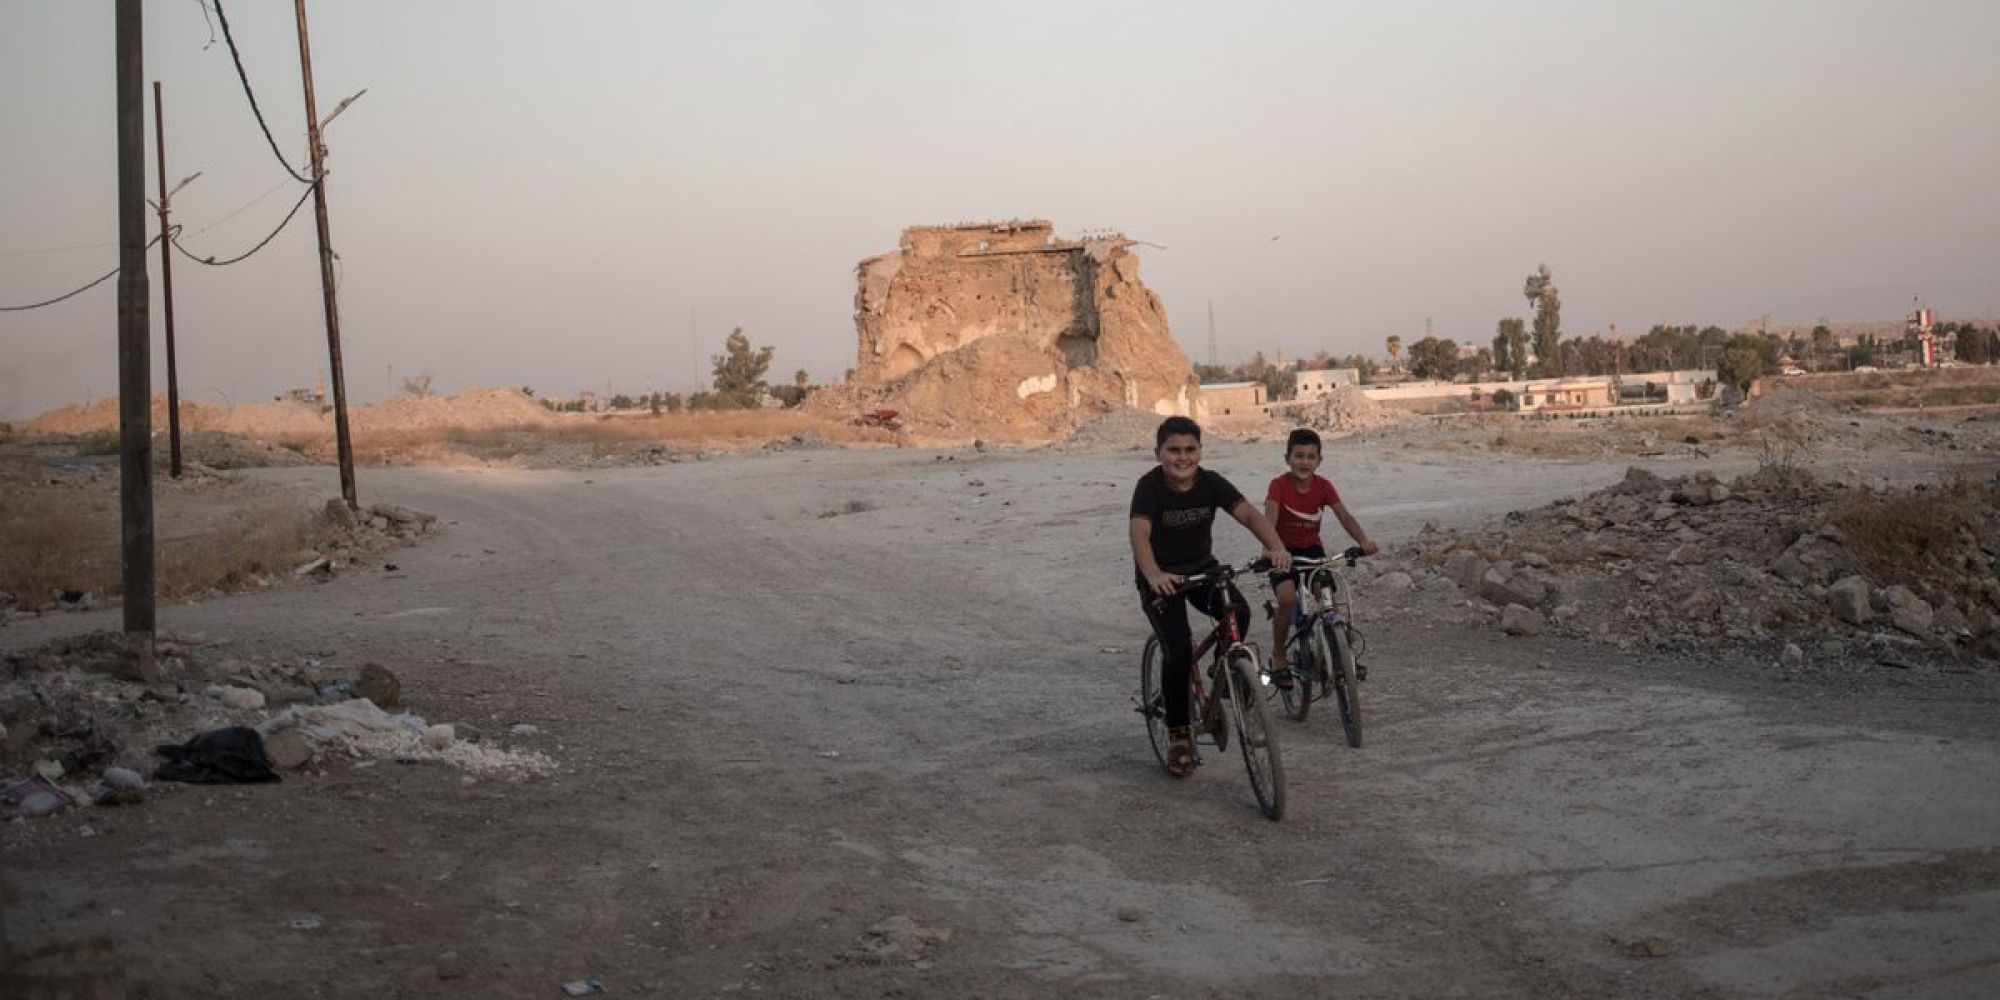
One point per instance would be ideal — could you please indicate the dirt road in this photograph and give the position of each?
(859, 724)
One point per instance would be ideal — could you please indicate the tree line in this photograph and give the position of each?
(1535, 348)
(738, 384)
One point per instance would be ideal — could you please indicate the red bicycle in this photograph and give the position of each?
(1227, 696)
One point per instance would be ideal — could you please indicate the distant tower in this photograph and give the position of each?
(1213, 360)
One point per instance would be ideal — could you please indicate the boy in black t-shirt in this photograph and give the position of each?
(1173, 514)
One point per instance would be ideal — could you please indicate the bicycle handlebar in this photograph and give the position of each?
(1352, 554)
(1225, 572)
(1262, 565)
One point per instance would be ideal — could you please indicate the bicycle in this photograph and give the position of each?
(1230, 701)
(1323, 645)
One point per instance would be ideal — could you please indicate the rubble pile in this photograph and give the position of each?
(1347, 411)
(1119, 430)
(1775, 555)
(71, 716)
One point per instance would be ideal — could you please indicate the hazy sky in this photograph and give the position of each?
(558, 194)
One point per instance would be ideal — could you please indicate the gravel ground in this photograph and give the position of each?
(858, 723)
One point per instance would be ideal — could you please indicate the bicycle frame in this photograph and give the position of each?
(1219, 641)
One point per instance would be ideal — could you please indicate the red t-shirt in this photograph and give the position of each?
(1299, 513)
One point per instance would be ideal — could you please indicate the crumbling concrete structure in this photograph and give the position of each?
(994, 328)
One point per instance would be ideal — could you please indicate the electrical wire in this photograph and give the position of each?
(247, 92)
(240, 209)
(47, 250)
(106, 276)
(261, 244)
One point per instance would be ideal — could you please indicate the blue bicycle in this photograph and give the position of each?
(1324, 643)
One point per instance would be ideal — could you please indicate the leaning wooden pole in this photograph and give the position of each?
(336, 369)
(135, 387)
(167, 289)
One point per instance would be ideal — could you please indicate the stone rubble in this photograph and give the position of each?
(1694, 561)
(67, 717)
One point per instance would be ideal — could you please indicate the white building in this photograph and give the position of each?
(1320, 383)
(1225, 399)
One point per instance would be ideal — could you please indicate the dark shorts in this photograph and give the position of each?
(1310, 552)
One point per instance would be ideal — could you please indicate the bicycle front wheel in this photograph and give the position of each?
(1255, 735)
(1298, 698)
(1152, 700)
(1345, 687)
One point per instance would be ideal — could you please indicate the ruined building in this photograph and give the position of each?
(1004, 329)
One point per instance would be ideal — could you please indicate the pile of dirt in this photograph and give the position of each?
(1775, 555)
(473, 409)
(1119, 430)
(1347, 411)
(68, 715)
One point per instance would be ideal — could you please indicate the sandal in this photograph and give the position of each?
(1281, 675)
(1180, 752)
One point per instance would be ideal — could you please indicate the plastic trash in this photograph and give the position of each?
(583, 988)
(34, 798)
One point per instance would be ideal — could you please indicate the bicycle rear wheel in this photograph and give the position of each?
(1255, 735)
(1345, 687)
(1152, 702)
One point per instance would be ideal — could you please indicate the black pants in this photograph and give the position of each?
(1170, 622)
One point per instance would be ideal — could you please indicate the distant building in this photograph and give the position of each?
(1320, 383)
(1224, 399)
(1566, 393)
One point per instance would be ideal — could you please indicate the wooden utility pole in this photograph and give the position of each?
(167, 287)
(135, 387)
(335, 367)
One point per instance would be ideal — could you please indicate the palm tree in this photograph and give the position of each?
(1395, 345)
(800, 378)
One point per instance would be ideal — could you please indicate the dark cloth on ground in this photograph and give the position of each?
(231, 756)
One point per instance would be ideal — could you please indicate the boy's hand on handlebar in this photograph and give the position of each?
(1163, 583)
(1369, 548)
(1280, 560)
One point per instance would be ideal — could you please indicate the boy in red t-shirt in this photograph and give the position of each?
(1293, 503)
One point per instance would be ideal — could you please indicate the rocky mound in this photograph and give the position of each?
(1347, 411)
(1004, 330)
(1775, 556)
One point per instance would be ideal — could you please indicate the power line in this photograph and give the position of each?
(212, 262)
(107, 276)
(185, 252)
(47, 250)
(240, 209)
(101, 279)
(247, 92)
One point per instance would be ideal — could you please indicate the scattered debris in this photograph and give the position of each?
(230, 756)
(33, 798)
(379, 685)
(899, 940)
(1774, 556)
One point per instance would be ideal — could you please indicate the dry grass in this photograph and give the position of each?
(1913, 534)
(49, 548)
(601, 436)
(51, 544)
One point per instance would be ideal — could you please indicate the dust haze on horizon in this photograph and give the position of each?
(576, 196)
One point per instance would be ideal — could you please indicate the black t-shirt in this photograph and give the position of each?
(1182, 521)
